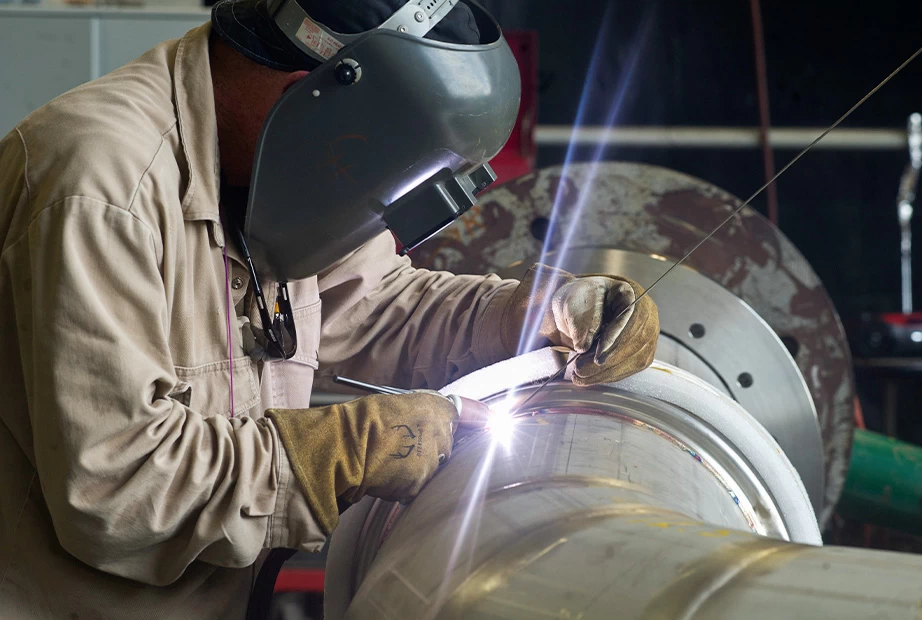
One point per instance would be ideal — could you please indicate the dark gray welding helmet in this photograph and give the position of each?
(391, 131)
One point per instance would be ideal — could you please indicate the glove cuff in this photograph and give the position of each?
(533, 295)
(313, 440)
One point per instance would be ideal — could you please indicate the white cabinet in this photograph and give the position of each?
(45, 51)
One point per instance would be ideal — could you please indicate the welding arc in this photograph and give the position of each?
(746, 202)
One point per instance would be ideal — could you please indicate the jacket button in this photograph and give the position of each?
(237, 283)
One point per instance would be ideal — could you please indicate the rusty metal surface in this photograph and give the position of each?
(659, 211)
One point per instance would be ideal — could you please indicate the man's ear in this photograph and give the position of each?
(292, 78)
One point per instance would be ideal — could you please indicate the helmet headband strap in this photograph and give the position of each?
(416, 18)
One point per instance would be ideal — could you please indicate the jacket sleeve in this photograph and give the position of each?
(385, 321)
(137, 484)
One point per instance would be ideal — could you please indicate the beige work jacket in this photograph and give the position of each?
(128, 488)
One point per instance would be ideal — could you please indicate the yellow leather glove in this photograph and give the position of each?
(575, 312)
(383, 446)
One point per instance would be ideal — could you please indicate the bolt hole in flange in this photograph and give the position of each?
(539, 227)
(696, 330)
(744, 380)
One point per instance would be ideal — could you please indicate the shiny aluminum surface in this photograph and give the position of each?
(669, 385)
(606, 502)
(580, 456)
(579, 459)
(635, 561)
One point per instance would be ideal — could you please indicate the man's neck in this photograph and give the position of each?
(234, 205)
(236, 117)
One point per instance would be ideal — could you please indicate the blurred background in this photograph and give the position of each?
(660, 64)
(724, 90)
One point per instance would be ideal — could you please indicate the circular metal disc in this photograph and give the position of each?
(657, 211)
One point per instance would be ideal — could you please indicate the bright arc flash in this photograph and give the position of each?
(501, 424)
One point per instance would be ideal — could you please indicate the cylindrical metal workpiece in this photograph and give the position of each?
(658, 497)
(566, 484)
(637, 561)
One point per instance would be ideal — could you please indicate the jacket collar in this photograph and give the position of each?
(198, 130)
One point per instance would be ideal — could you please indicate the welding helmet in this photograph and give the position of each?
(391, 130)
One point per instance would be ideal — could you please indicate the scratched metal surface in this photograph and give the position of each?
(655, 210)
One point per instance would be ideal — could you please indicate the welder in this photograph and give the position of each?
(191, 239)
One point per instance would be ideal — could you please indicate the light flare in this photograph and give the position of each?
(501, 424)
(534, 314)
(466, 535)
(500, 427)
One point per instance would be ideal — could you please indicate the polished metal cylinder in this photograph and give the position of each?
(628, 501)
(561, 480)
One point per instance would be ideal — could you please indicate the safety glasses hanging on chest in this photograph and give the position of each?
(278, 326)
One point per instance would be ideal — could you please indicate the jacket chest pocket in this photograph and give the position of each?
(287, 384)
(207, 388)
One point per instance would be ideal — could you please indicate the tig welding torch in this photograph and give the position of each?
(386, 389)
(472, 413)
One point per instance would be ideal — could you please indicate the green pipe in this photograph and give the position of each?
(884, 483)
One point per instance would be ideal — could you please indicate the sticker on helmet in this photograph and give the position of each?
(317, 39)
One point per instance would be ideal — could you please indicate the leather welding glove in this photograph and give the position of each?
(383, 446)
(575, 312)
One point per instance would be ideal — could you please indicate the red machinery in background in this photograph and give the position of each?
(519, 154)
(300, 583)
